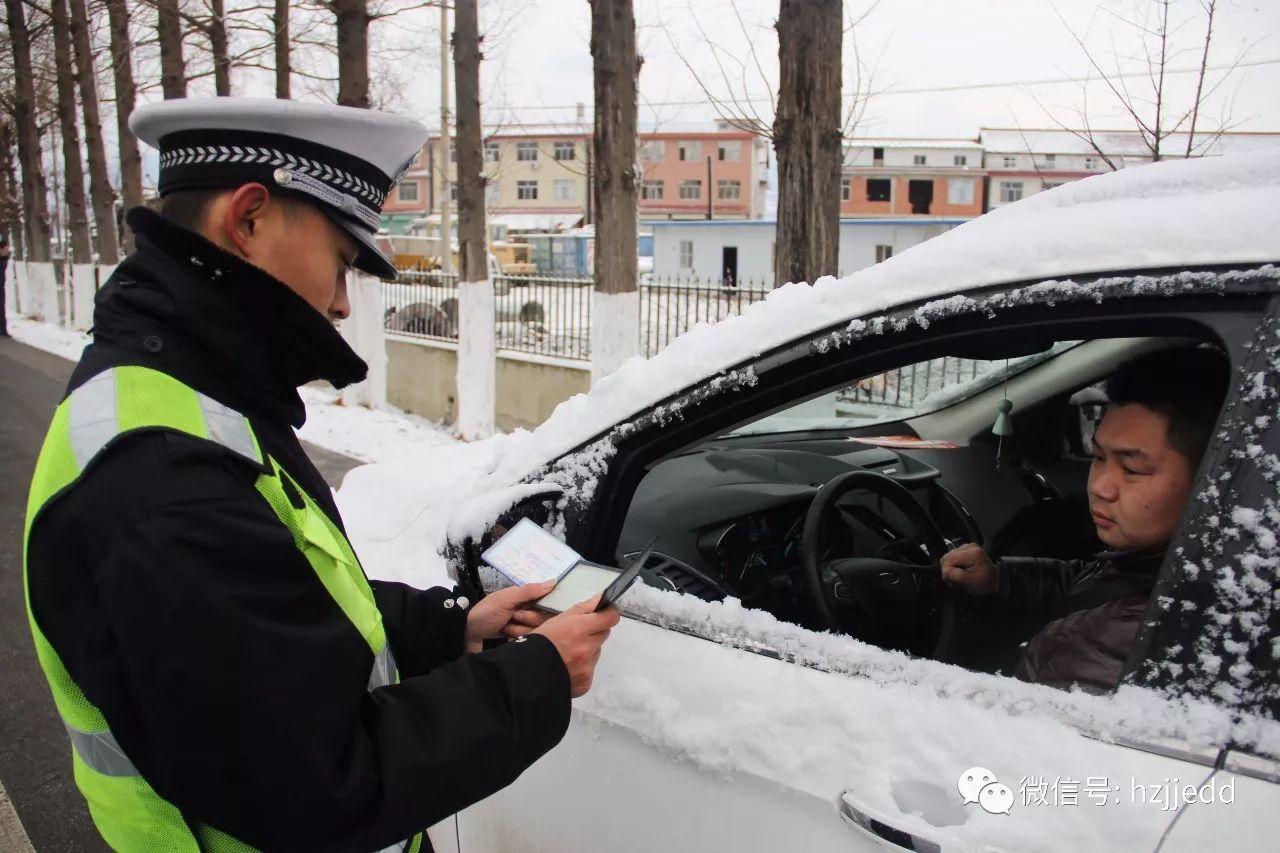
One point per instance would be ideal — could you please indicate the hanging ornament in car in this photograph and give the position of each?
(1004, 418)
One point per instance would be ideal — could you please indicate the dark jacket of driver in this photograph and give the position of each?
(1094, 608)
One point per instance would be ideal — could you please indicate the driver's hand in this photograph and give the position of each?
(969, 568)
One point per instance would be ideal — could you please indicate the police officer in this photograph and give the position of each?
(228, 677)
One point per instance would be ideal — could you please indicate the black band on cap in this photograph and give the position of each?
(203, 159)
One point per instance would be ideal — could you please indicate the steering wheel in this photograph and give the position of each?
(865, 587)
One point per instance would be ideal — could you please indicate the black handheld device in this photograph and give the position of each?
(623, 581)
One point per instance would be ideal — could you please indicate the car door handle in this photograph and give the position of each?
(857, 817)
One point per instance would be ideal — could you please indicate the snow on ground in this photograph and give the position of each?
(48, 337)
(370, 435)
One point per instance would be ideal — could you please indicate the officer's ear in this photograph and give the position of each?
(242, 218)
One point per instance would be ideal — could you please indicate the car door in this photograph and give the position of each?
(714, 727)
(1233, 621)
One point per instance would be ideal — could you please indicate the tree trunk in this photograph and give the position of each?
(35, 204)
(806, 135)
(173, 68)
(280, 22)
(353, 52)
(73, 169)
(616, 67)
(11, 213)
(218, 47)
(126, 94)
(472, 248)
(100, 192)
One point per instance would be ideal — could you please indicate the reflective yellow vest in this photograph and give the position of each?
(127, 811)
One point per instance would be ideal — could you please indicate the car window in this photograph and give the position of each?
(905, 392)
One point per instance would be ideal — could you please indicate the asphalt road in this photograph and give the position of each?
(35, 758)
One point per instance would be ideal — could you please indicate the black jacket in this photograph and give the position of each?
(1095, 608)
(183, 610)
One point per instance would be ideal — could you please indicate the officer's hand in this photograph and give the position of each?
(969, 568)
(578, 634)
(504, 613)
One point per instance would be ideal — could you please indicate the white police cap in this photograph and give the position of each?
(345, 159)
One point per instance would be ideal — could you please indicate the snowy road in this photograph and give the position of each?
(35, 765)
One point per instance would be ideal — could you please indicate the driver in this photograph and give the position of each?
(1163, 407)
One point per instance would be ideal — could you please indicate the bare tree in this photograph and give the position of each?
(10, 203)
(35, 203)
(614, 179)
(805, 120)
(1151, 108)
(472, 243)
(100, 192)
(353, 20)
(173, 65)
(280, 25)
(73, 168)
(807, 137)
(126, 94)
(210, 22)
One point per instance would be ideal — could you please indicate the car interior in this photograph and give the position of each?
(832, 512)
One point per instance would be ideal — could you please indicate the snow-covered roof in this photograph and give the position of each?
(905, 142)
(546, 222)
(1121, 143)
(536, 221)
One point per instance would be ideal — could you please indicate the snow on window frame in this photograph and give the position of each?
(577, 475)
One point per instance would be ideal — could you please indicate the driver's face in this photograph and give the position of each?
(1139, 483)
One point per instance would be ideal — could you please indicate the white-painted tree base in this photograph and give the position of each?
(477, 360)
(615, 331)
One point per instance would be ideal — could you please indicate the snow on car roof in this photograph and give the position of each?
(1166, 215)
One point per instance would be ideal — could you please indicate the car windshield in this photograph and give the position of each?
(905, 392)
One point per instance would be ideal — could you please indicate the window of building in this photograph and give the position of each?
(492, 151)
(1051, 160)
(883, 253)
(689, 151)
(961, 160)
(654, 151)
(728, 190)
(562, 190)
(564, 150)
(960, 191)
(878, 189)
(453, 152)
(918, 159)
(877, 154)
(1011, 191)
(691, 189)
(1052, 184)
(1010, 162)
(686, 254)
(651, 190)
(407, 191)
(729, 151)
(527, 152)
(846, 187)
(1090, 163)
(492, 192)
(527, 190)
(453, 192)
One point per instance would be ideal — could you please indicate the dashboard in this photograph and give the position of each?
(728, 516)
